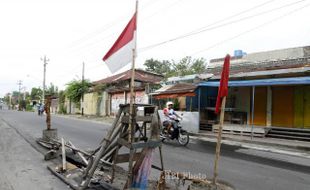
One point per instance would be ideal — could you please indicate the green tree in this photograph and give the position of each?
(7, 98)
(52, 90)
(36, 93)
(186, 66)
(183, 67)
(75, 89)
(160, 67)
(61, 102)
(198, 65)
(15, 97)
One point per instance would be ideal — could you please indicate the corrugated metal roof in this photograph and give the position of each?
(162, 89)
(261, 82)
(268, 72)
(175, 89)
(140, 75)
(243, 67)
(189, 77)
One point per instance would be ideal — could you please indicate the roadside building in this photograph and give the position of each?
(267, 90)
(108, 93)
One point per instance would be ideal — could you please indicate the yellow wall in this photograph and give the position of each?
(182, 101)
(299, 107)
(307, 107)
(283, 106)
(302, 107)
(90, 103)
(260, 106)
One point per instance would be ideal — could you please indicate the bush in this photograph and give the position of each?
(62, 109)
(29, 107)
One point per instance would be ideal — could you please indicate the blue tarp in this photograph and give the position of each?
(261, 82)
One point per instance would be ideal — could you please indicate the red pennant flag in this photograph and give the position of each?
(121, 52)
(223, 88)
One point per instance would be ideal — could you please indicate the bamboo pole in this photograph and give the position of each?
(218, 144)
(132, 86)
(114, 125)
(131, 117)
(91, 167)
(64, 164)
(80, 154)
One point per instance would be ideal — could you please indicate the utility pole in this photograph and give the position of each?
(45, 60)
(10, 101)
(83, 88)
(19, 83)
(24, 88)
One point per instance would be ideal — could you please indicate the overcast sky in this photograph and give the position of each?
(69, 32)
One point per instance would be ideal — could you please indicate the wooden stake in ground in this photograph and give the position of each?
(64, 164)
(48, 112)
(219, 141)
(220, 103)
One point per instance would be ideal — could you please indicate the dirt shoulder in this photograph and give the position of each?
(22, 167)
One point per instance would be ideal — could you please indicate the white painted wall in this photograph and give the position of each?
(190, 121)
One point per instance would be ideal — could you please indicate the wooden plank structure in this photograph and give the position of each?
(99, 169)
(117, 137)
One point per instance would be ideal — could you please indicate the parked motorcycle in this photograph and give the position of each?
(182, 135)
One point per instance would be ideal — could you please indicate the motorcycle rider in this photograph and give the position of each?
(170, 117)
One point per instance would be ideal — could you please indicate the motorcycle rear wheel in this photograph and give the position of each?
(183, 138)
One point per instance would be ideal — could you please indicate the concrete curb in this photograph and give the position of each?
(75, 117)
(299, 147)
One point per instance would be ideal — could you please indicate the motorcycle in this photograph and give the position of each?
(182, 135)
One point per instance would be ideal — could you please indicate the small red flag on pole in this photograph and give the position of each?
(223, 88)
(220, 103)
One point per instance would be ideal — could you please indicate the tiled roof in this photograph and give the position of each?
(140, 75)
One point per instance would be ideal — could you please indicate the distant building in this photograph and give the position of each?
(116, 91)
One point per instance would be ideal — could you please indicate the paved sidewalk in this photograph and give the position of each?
(97, 119)
(280, 146)
(292, 144)
(21, 166)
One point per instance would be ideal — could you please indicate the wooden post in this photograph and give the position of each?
(48, 112)
(131, 117)
(132, 86)
(131, 123)
(64, 164)
(80, 154)
(92, 165)
(219, 139)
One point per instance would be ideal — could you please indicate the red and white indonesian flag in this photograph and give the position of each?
(121, 52)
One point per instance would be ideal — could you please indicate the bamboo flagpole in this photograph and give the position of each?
(220, 103)
(131, 131)
(132, 82)
(219, 140)
(121, 53)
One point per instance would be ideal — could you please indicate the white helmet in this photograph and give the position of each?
(169, 103)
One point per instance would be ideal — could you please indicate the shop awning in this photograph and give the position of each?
(261, 82)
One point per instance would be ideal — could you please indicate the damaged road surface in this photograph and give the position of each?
(21, 166)
(238, 166)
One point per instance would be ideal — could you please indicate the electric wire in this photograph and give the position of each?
(252, 29)
(209, 28)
